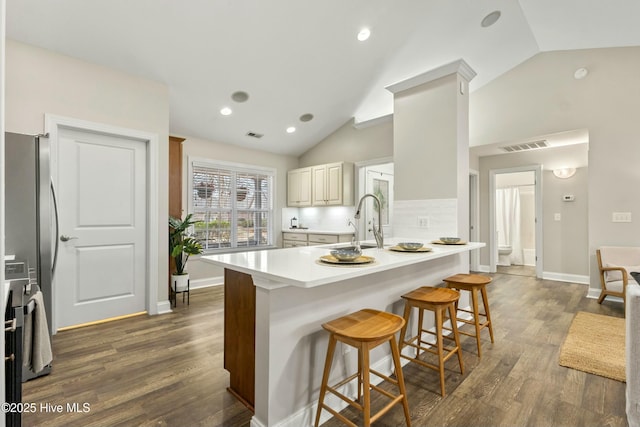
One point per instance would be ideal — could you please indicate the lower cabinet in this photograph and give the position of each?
(292, 240)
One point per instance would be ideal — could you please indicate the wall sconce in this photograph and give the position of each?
(564, 173)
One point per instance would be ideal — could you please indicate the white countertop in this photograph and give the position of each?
(316, 231)
(301, 267)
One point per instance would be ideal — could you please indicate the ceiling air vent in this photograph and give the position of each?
(255, 135)
(533, 145)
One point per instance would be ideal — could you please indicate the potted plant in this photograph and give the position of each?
(181, 247)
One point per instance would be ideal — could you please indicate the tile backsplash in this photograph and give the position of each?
(332, 218)
(441, 216)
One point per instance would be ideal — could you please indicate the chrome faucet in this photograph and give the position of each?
(377, 233)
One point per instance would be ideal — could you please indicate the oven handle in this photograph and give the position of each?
(12, 325)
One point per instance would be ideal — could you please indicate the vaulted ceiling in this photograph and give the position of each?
(296, 57)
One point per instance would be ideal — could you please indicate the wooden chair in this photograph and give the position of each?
(614, 265)
(364, 330)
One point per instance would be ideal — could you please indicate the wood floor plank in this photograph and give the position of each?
(165, 371)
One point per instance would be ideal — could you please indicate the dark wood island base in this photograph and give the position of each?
(239, 335)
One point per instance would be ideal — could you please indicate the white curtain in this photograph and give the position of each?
(508, 222)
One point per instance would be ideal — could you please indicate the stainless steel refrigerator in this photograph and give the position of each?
(31, 215)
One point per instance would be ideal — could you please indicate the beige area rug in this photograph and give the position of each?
(595, 344)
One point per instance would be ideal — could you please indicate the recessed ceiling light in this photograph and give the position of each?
(580, 73)
(291, 129)
(226, 111)
(240, 96)
(364, 34)
(490, 19)
(307, 117)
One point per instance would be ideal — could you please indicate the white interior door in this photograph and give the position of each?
(101, 270)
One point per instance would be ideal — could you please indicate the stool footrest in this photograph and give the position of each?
(384, 377)
(430, 350)
(384, 410)
(470, 312)
(339, 415)
(348, 400)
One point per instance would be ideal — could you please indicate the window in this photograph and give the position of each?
(232, 205)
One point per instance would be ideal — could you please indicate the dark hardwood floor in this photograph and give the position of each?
(167, 370)
(518, 270)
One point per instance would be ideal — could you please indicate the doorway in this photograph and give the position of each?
(376, 178)
(108, 221)
(516, 221)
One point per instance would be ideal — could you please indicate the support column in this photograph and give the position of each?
(431, 153)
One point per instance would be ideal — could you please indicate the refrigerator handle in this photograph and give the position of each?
(55, 211)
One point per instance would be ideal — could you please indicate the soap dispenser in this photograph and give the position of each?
(294, 222)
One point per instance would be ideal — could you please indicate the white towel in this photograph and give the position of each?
(36, 340)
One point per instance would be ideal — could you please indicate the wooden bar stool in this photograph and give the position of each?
(364, 330)
(473, 283)
(438, 300)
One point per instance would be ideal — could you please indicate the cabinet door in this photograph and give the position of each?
(299, 187)
(304, 178)
(319, 184)
(333, 184)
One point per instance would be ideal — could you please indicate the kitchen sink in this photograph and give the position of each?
(368, 245)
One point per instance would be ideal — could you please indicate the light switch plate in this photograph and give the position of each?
(557, 216)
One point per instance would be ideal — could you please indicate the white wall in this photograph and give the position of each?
(39, 81)
(540, 97)
(348, 144)
(203, 273)
(574, 222)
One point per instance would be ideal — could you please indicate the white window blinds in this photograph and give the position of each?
(232, 206)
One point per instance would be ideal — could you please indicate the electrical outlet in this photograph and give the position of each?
(621, 217)
(423, 221)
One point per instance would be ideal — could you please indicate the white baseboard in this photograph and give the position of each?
(563, 277)
(256, 423)
(163, 307)
(206, 282)
(595, 294)
(483, 269)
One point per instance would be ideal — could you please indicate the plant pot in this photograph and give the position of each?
(179, 282)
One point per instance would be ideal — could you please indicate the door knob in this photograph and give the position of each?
(64, 238)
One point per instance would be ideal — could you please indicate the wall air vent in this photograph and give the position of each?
(533, 145)
(255, 135)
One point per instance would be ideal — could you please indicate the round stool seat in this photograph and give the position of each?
(432, 295)
(468, 280)
(365, 325)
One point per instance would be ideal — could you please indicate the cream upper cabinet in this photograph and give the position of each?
(332, 184)
(299, 187)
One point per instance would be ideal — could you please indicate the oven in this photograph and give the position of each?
(14, 321)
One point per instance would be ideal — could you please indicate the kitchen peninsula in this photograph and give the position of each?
(280, 298)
